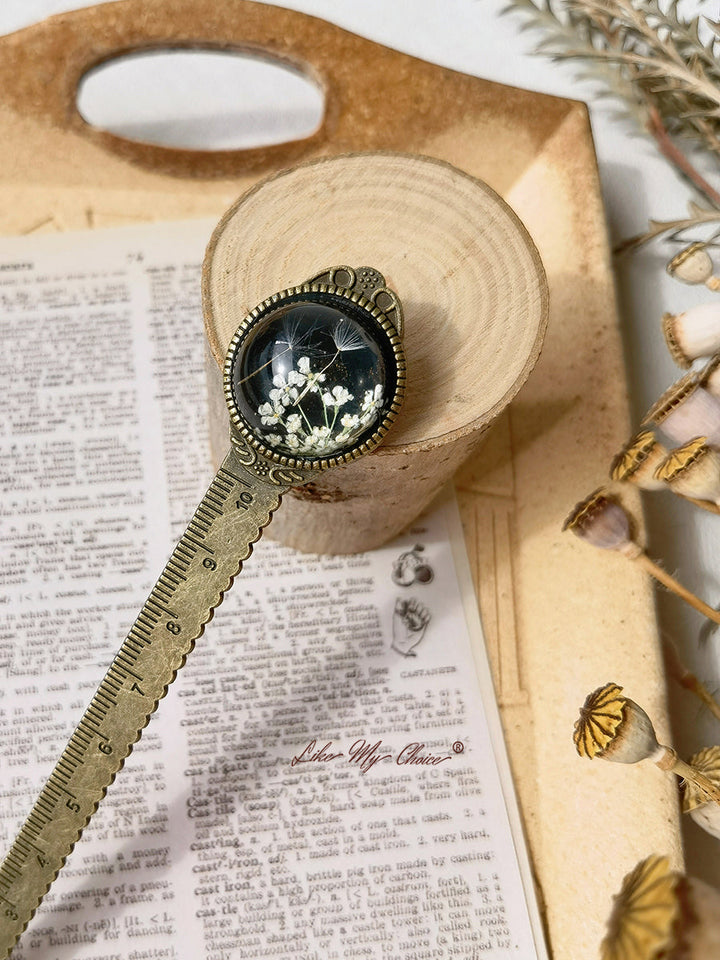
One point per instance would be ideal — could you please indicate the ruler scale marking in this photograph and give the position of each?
(161, 637)
(237, 505)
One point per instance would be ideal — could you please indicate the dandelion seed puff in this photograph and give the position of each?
(346, 337)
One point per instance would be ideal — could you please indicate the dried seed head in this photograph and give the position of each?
(698, 928)
(638, 460)
(686, 411)
(695, 802)
(661, 914)
(672, 398)
(645, 914)
(707, 761)
(601, 521)
(614, 727)
(692, 334)
(709, 377)
(691, 265)
(692, 470)
(674, 348)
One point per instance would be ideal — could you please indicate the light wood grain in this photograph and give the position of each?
(475, 304)
(577, 618)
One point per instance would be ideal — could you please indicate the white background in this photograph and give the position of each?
(473, 36)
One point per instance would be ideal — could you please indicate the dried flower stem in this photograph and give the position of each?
(667, 759)
(672, 584)
(705, 504)
(651, 57)
(699, 216)
(687, 679)
(603, 522)
(674, 154)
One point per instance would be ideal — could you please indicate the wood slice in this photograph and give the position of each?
(475, 301)
(539, 589)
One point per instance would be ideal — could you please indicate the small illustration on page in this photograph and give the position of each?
(410, 620)
(411, 567)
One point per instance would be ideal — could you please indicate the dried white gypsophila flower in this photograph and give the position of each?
(328, 418)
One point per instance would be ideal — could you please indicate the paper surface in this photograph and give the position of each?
(326, 777)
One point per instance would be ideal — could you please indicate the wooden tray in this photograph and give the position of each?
(560, 619)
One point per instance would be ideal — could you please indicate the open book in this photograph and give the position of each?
(326, 778)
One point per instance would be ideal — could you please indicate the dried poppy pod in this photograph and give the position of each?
(686, 411)
(638, 460)
(693, 265)
(694, 802)
(603, 522)
(693, 333)
(709, 376)
(692, 470)
(614, 727)
(660, 914)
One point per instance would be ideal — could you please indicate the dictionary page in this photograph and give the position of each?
(326, 778)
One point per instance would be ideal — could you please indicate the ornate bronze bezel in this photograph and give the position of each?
(352, 292)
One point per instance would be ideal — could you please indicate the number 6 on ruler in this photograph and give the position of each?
(314, 378)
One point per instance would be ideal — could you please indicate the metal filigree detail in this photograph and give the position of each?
(263, 468)
(244, 451)
(342, 276)
(368, 283)
(285, 477)
(238, 505)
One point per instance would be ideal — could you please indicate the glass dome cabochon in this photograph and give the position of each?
(315, 376)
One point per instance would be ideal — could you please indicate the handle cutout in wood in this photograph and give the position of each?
(201, 99)
(375, 98)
